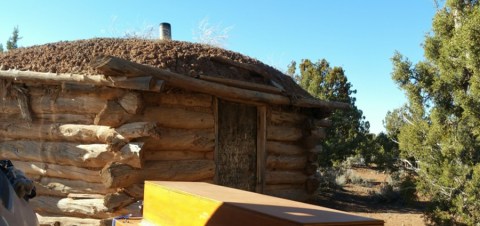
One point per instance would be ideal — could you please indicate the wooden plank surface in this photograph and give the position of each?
(128, 222)
(195, 203)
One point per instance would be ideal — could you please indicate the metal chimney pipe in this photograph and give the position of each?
(165, 32)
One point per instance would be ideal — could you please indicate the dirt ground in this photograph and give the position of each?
(356, 199)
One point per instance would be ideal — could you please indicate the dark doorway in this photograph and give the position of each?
(236, 153)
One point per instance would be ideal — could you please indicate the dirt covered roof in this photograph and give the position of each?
(190, 59)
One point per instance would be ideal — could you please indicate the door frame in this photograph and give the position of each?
(261, 141)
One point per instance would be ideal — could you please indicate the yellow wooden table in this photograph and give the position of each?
(196, 203)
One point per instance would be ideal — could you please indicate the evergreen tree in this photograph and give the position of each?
(440, 125)
(1, 48)
(12, 42)
(347, 135)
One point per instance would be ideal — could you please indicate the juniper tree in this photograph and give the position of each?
(12, 42)
(440, 126)
(347, 135)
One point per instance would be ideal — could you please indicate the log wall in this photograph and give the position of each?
(292, 147)
(89, 149)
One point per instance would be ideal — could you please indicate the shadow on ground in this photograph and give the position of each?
(347, 201)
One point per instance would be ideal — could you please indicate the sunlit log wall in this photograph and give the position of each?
(89, 148)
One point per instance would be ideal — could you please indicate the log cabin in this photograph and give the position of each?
(90, 120)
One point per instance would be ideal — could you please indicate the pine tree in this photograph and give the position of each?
(12, 42)
(440, 125)
(347, 135)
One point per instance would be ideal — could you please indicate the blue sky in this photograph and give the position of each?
(360, 36)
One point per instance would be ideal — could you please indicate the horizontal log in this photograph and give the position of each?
(135, 191)
(56, 221)
(249, 67)
(174, 155)
(145, 83)
(282, 118)
(66, 186)
(132, 102)
(117, 200)
(53, 170)
(182, 99)
(75, 90)
(85, 196)
(130, 154)
(285, 177)
(242, 84)
(178, 118)
(135, 130)
(59, 78)
(281, 162)
(282, 148)
(46, 191)
(61, 132)
(113, 66)
(50, 104)
(121, 175)
(81, 208)
(293, 192)
(112, 114)
(88, 208)
(74, 154)
(49, 118)
(283, 133)
(210, 155)
(181, 139)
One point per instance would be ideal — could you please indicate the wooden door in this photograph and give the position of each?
(236, 150)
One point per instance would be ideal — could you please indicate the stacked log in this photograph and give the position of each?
(292, 149)
(66, 144)
(89, 143)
